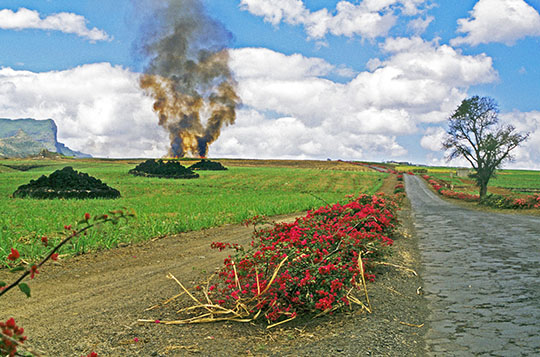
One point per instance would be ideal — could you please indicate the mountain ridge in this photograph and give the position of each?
(27, 137)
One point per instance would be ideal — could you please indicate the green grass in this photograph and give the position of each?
(165, 206)
(508, 179)
(517, 179)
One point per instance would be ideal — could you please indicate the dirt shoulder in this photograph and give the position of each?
(92, 303)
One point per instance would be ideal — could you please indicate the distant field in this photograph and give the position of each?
(517, 179)
(516, 182)
(165, 206)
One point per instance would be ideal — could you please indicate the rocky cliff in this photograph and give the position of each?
(27, 137)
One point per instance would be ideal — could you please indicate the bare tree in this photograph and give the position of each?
(475, 135)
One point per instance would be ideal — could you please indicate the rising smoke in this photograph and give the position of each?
(188, 75)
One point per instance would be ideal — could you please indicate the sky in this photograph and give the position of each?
(372, 80)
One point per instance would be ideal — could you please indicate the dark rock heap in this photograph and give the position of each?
(66, 183)
(205, 164)
(160, 168)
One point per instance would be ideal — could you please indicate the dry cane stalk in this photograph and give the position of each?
(165, 302)
(397, 266)
(257, 278)
(281, 322)
(412, 325)
(271, 280)
(170, 276)
(236, 276)
(361, 266)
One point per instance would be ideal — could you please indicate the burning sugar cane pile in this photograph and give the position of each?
(316, 265)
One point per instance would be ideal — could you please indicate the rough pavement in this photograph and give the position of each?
(481, 275)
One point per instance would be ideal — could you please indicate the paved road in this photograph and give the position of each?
(482, 277)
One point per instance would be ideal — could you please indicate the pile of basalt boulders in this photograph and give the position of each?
(205, 164)
(66, 183)
(163, 169)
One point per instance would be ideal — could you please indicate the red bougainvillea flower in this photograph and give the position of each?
(87, 216)
(310, 264)
(67, 227)
(14, 255)
(45, 240)
(11, 323)
(54, 256)
(11, 338)
(91, 354)
(33, 271)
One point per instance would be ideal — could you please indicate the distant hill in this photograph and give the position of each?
(27, 137)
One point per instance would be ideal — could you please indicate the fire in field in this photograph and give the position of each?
(188, 74)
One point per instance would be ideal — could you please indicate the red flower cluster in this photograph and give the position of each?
(448, 193)
(14, 255)
(530, 201)
(92, 354)
(221, 246)
(500, 201)
(12, 336)
(399, 188)
(310, 264)
(33, 271)
(460, 195)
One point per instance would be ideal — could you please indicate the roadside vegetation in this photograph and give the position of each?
(518, 190)
(164, 206)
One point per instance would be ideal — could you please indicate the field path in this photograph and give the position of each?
(481, 276)
(91, 302)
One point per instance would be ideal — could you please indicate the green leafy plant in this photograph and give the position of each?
(12, 335)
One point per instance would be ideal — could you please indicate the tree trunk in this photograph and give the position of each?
(483, 189)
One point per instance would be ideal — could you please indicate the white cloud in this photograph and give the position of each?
(256, 136)
(441, 63)
(64, 22)
(528, 153)
(503, 21)
(419, 25)
(262, 62)
(433, 138)
(419, 82)
(369, 19)
(99, 109)
(289, 108)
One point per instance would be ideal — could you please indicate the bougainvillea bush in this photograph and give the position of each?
(399, 188)
(460, 195)
(500, 201)
(12, 336)
(492, 200)
(437, 186)
(310, 265)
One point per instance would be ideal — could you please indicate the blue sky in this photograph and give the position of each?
(366, 80)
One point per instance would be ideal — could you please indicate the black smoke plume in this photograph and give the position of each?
(188, 74)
